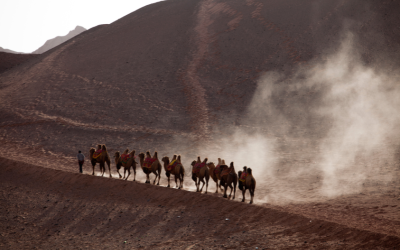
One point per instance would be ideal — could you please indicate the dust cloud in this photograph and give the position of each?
(319, 133)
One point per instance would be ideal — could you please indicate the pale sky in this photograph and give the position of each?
(25, 25)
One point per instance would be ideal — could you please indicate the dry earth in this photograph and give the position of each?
(181, 77)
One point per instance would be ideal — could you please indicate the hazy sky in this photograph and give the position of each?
(25, 25)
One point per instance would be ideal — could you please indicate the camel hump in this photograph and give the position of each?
(133, 152)
(223, 162)
(179, 158)
(249, 171)
(155, 156)
(205, 160)
(104, 147)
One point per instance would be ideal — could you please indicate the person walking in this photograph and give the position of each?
(81, 160)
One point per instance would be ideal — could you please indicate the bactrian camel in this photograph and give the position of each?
(175, 168)
(100, 156)
(215, 173)
(150, 165)
(247, 181)
(229, 178)
(200, 172)
(126, 160)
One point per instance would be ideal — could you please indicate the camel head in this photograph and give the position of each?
(117, 155)
(249, 171)
(193, 163)
(92, 150)
(165, 159)
(141, 156)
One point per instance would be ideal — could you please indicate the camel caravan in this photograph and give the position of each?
(223, 175)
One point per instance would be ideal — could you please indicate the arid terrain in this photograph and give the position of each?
(303, 92)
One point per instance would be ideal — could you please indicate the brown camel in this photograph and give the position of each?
(215, 173)
(150, 165)
(229, 177)
(126, 160)
(174, 167)
(199, 172)
(100, 156)
(247, 181)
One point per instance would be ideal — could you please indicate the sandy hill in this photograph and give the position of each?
(304, 92)
(51, 43)
(11, 60)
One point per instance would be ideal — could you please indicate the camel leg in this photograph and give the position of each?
(154, 182)
(134, 174)
(225, 187)
(216, 191)
(168, 175)
(129, 173)
(180, 181)
(147, 178)
(198, 184)
(252, 195)
(202, 181)
(234, 190)
(207, 179)
(102, 169)
(109, 168)
(176, 181)
(230, 186)
(120, 176)
(93, 169)
(159, 174)
(244, 193)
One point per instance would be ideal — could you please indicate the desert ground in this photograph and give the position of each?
(303, 92)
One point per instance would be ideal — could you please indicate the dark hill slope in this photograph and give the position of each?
(11, 60)
(179, 68)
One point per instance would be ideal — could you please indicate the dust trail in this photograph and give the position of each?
(203, 37)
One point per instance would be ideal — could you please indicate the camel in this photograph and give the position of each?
(150, 165)
(247, 181)
(126, 160)
(199, 172)
(176, 168)
(100, 156)
(229, 177)
(215, 173)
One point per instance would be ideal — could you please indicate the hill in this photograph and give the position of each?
(51, 43)
(303, 92)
